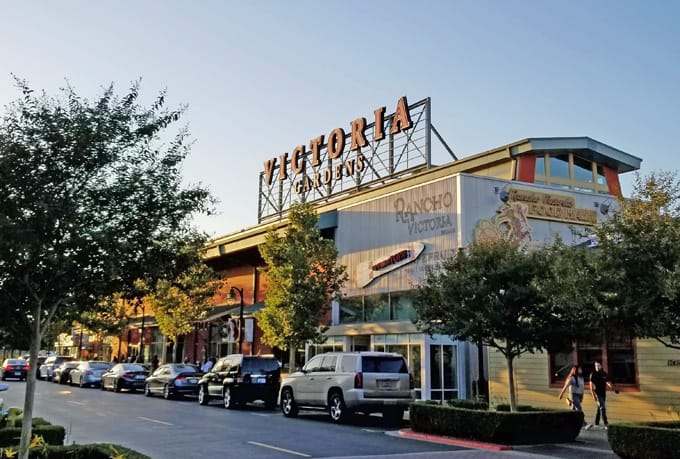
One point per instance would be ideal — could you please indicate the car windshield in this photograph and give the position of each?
(382, 364)
(183, 368)
(132, 368)
(98, 366)
(16, 362)
(251, 365)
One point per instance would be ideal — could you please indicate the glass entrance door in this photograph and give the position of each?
(443, 374)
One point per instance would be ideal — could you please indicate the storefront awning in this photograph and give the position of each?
(233, 310)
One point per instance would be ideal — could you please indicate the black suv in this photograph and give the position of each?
(238, 379)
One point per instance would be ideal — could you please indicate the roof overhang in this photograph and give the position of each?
(586, 147)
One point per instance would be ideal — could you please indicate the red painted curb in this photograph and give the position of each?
(408, 433)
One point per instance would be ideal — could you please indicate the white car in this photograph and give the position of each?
(347, 382)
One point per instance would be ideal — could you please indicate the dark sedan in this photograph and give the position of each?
(14, 368)
(61, 373)
(124, 376)
(173, 379)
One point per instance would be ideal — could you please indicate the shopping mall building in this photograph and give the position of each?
(393, 215)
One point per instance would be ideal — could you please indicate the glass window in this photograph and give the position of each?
(328, 363)
(583, 170)
(584, 189)
(351, 310)
(402, 307)
(314, 364)
(621, 361)
(540, 165)
(560, 366)
(373, 364)
(601, 178)
(559, 166)
(377, 307)
(414, 363)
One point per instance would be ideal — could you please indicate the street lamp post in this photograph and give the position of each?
(240, 317)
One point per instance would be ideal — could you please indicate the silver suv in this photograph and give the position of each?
(347, 382)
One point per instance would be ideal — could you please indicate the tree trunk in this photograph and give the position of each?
(291, 357)
(511, 381)
(27, 425)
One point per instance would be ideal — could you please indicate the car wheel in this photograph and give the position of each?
(336, 407)
(116, 386)
(203, 397)
(147, 390)
(289, 407)
(166, 392)
(228, 399)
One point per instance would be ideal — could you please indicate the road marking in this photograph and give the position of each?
(261, 414)
(75, 403)
(154, 420)
(276, 448)
(64, 392)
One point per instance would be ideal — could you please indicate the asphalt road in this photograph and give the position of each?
(183, 428)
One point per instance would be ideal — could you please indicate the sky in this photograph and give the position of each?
(260, 77)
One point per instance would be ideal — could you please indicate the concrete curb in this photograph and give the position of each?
(408, 433)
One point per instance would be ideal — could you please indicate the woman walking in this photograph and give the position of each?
(576, 382)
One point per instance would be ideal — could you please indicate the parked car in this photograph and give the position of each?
(124, 376)
(51, 362)
(62, 371)
(346, 382)
(14, 368)
(88, 373)
(172, 379)
(237, 379)
(39, 361)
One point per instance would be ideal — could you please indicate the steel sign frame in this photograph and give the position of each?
(378, 162)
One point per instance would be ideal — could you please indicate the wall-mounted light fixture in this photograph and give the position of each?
(502, 194)
(603, 206)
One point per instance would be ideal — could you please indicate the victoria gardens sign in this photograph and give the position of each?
(349, 159)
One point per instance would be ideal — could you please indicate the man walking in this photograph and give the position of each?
(599, 383)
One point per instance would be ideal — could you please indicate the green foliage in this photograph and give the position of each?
(519, 408)
(87, 451)
(509, 299)
(179, 303)
(91, 198)
(468, 404)
(51, 434)
(639, 261)
(533, 427)
(645, 440)
(303, 276)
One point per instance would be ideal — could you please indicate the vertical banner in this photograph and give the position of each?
(249, 330)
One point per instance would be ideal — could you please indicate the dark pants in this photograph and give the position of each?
(601, 409)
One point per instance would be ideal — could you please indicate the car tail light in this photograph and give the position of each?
(27, 368)
(9, 368)
(180, 378)
(411, 382)
(358, 381)
(128, 375)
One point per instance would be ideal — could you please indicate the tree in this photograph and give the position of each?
(303, 274)
(639, 262)
(91, 198)
(180, 303)
(509, 299)
(111, 317)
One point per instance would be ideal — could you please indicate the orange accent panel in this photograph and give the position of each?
(526, 168)
(612, 181)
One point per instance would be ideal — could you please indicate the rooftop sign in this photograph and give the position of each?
(330, 166)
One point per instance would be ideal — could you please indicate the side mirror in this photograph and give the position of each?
(3, 387)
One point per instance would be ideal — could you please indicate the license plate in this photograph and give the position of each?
(140, 377)
(17, 373)
(193, 381)
(259, 380)
(386, 384)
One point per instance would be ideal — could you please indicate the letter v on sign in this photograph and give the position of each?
(269, 167)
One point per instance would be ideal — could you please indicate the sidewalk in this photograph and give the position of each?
(589, 444)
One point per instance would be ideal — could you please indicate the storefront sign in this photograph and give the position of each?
(425, 214)
(674, 363)
(368, 271)
(346, 158)
(548, 206)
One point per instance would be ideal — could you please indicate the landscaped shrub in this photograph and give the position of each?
(18, 421)
(645, 440)
(528, 427)
(468, 404)
(520, 408)
(91, 451)
(53, 435)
